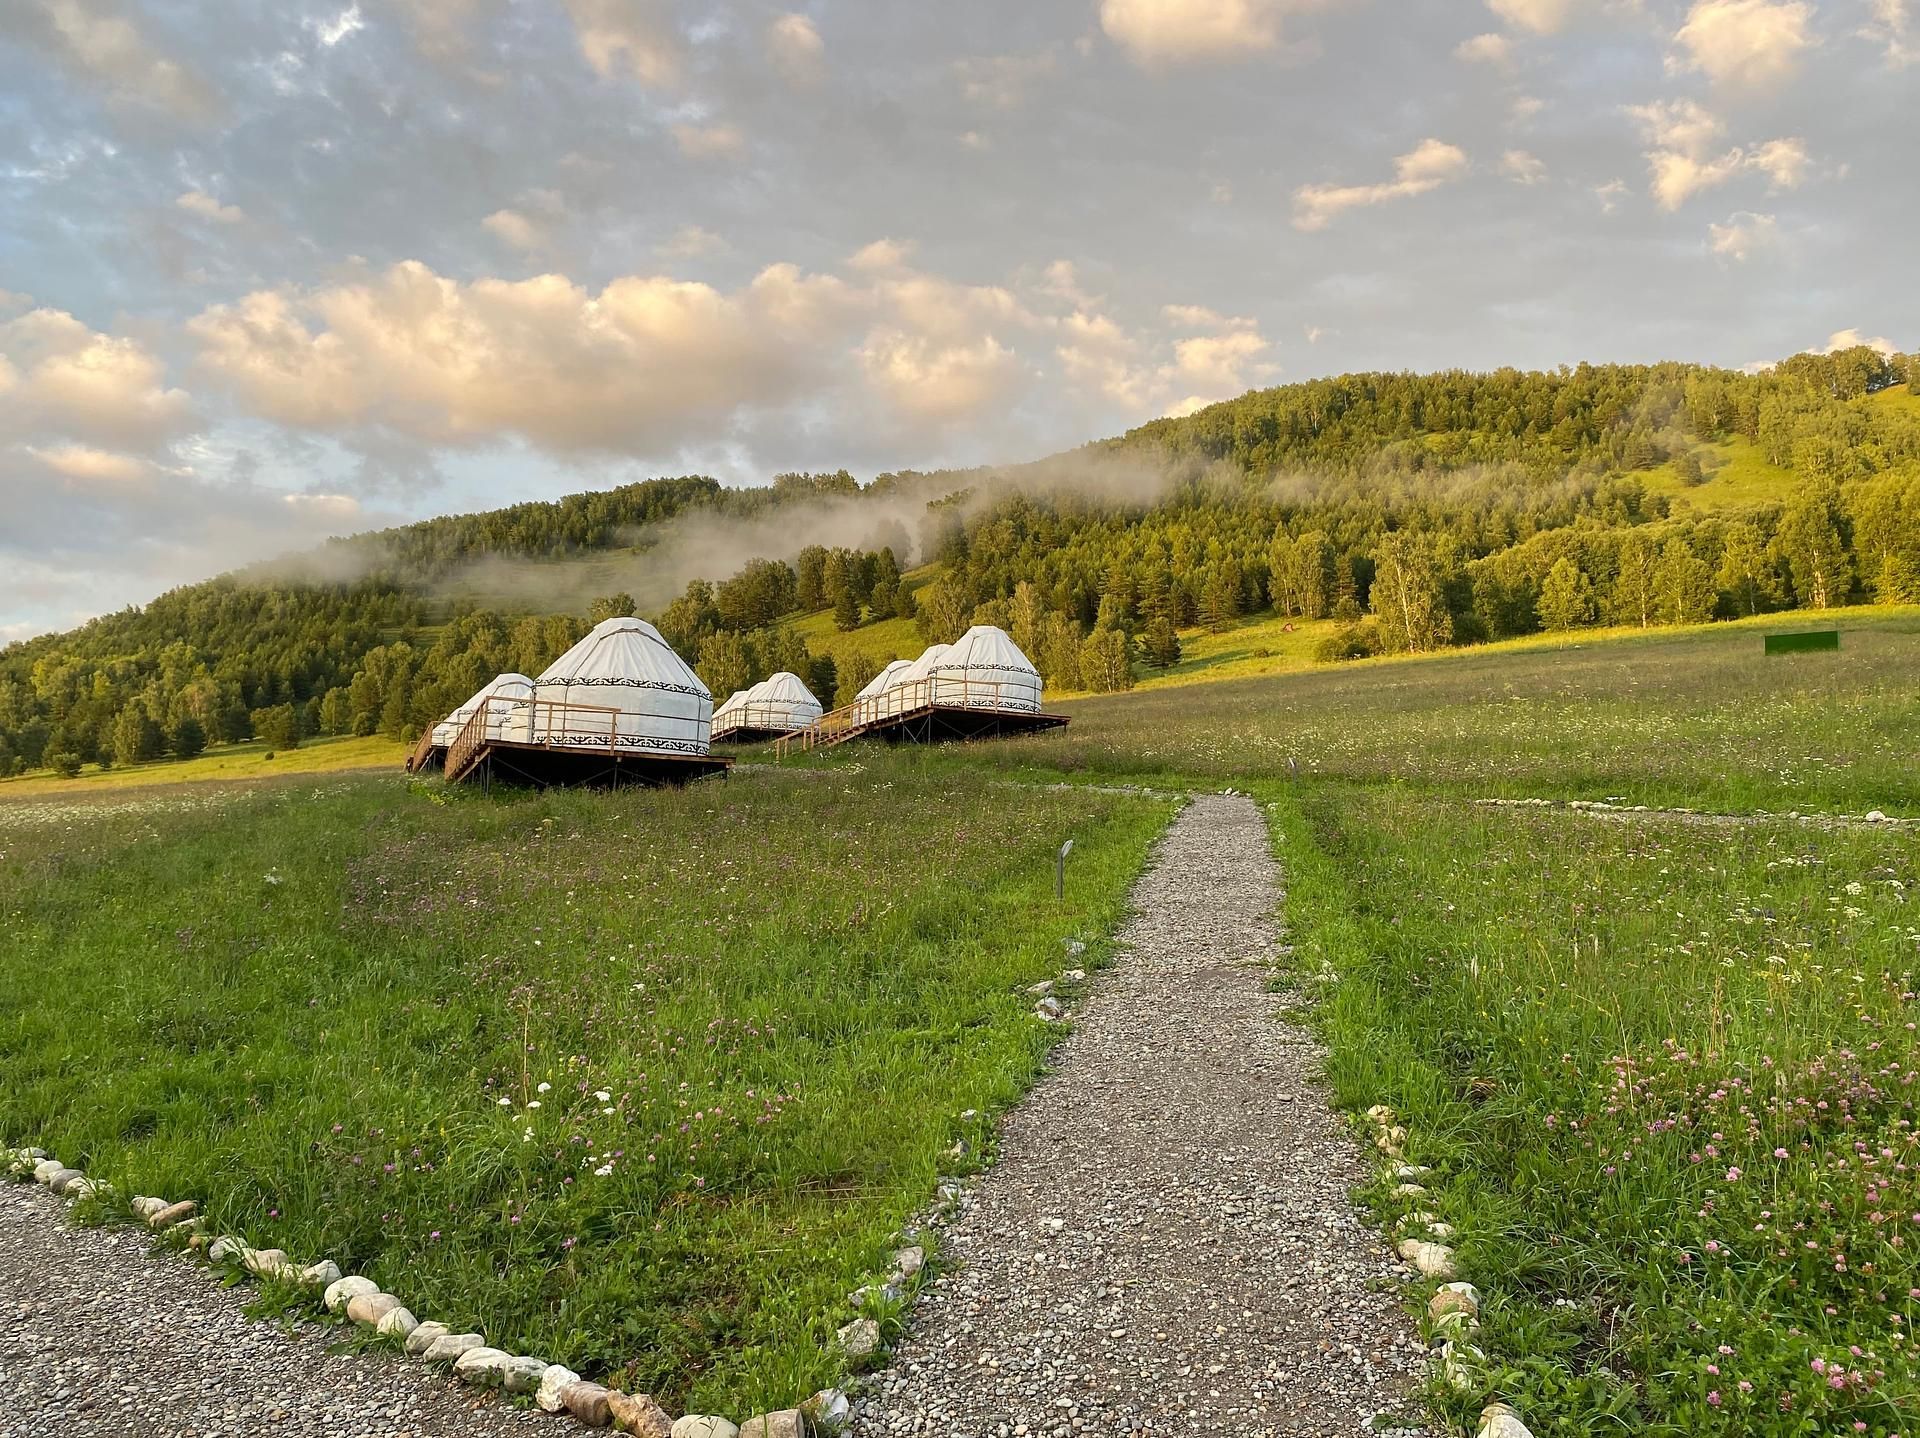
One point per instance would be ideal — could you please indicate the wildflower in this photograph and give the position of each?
(1733, 1174)
(544, 1088)
(1713, 1398)
(602, 1095)
(533, 1103)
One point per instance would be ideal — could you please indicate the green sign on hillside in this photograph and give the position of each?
(1802, 642)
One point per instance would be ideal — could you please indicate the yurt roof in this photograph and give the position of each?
(884, 678)
(919, 668)
(734, 701)
(785, 688)
(499, 684)
(624, 652)
(985, 648)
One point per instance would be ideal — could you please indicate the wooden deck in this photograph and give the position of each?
(425, 754)
(928, 711)
(580, 747)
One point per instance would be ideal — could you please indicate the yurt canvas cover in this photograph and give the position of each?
(623, 665)
(984, 669)
(782, 702)
(871, 698)
(729, 712)
(906, 691)
(501, 686)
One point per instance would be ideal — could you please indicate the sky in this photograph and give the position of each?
(275, 271)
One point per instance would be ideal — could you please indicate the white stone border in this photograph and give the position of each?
(554, 1388)
(1453, 1309)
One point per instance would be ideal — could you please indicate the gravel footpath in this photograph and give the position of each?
(1165, 1245)
(101, 1334)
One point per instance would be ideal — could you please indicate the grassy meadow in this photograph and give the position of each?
(1665, 1072)
(645, 1083)
(225, 764)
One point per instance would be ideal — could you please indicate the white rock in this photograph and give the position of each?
(1408, 1172)
(396, 1323)
(1041, 989)
(44, 1171)
(1408, 1190)
(321, 1274)
(1434, 1260)
(228, 1249)
(422, 1338)
(343, 1291)
(1461, 1365)
(523, 1375)
(702, 1425)
(84, 1187)
(65, 1179)
(554, 1381)
(449, 1346)
(1874, 816)
(1497, 1420)
(860, 1338)
(910, 1261)
(481, 1366)
(146, 1207)
(1049, 1009)
(829, 1411)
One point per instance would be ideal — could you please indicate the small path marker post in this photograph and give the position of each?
(1060, 872)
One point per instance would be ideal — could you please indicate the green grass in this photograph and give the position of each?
(1738, 478)
(1665, 1076)
(371, 1021)
(224, 763)
(1698, 717)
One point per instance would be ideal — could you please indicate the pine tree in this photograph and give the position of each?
(187, 738)
(846, 611)
(1161, 643)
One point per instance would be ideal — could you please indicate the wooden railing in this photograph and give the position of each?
(550, 723)
(756, 716)
(418, 759)
(838, 725)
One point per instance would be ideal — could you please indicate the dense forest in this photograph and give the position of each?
(1418, 510)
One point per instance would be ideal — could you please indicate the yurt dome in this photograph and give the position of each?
(871, 696)
(906, 690)
(729, 712)
(984, 669)
(502, 687)
(660, 705)
(782, 702)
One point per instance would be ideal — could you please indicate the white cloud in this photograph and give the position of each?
(1851, 338)
(197, 202)
(1747, 44)
(92, 468)
(515, 229)
(340, 509)
(880, 254)
(67, 385)
(1199, 317)
(1524, 108)
(1743, 235)
(97, 39)
(1891, 29)
(1158, 32)
(1523, 168)
(1427, 166)
(332, 32)
(1542, 17)
(938, 383)
(1784, 162)
(692, 241)
(1489, 49)
(710, 142)
(1610, 195)
(1682, 163)
(630, 37)
(796, 49)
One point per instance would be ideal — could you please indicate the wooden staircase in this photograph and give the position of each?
(422, 752)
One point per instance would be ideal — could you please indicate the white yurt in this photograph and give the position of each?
(869, 697)
(906, 691)
(781, 702)
(728, 714)
(506, 688)
(984, 669)
(661, 705)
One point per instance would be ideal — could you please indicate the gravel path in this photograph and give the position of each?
(102, 1336)
(1165, 1245)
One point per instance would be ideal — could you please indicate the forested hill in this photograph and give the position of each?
(1421, 510)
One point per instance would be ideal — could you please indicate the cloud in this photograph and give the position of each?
(1157, 32)
(1745, 44)
(1542, 17)
(515, 229)
(1890, 29)
(1743, 235)
(1523, 168)
(1427, 166)
(937, 382)
(1684, 135)
(65, 386)
(635, 38)
(692, 241)
(1489, 49)
(1852, 338)
(710, 142)
(97, 41)
(881, 254)
(796, 49)
(332, 32)
(1199, 317)
(198, 202)
(1610, 195)
(91, 467)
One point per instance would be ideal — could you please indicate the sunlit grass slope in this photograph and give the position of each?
(643, 1083)
(226, 763)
